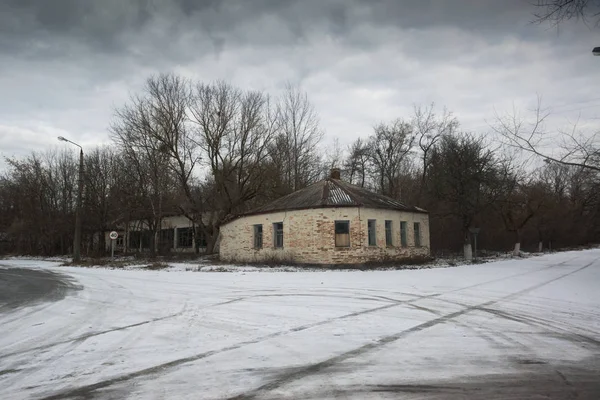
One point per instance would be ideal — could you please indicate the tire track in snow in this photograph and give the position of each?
(316, 368)
(557, 331)
(491, 338)
(88, 389)
(238, 299)
(83, 337)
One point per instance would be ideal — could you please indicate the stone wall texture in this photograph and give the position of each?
(309, 236)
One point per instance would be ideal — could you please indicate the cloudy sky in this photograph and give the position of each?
(66, 64)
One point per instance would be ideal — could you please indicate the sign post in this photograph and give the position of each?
(113, 238)
(474, 233)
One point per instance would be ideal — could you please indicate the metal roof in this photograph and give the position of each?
(333, 193)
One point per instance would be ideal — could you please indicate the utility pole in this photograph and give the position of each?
(77, 238)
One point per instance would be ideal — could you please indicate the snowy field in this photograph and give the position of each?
(522, 329)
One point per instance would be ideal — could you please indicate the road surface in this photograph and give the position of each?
(519, 329)
(20, 287)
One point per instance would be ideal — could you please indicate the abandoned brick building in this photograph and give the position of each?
(329, 222)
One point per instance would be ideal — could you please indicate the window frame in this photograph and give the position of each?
(417, 234)
(276, 231)
(258, 236)
(389, 233)
(403, 233)
(189, 234)
(372, 230)
(336, 233)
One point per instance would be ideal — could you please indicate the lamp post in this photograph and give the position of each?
(77, 239)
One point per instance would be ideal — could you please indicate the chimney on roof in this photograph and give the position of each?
(335, 173)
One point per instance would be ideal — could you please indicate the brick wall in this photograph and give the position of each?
(309, 236)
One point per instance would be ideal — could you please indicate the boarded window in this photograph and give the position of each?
(403, 240)
(388, 233)
(342, 233)
(417, 234)
(258, 236)
(372, 235)
(278, 235)
(184, 237)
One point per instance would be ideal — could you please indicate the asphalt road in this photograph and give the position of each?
(22, 286)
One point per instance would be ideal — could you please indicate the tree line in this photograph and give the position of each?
(209, 151)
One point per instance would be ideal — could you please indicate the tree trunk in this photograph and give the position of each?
(540, 246)
(468, 251)
(211, 241)
(517, 250)
(152, 243)
(102, 241)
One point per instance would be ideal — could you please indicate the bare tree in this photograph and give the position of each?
(389, 148)
(42, 196)
(101, 183)
(139, 131)
(576, 149)
(428, 128)
(557, 11)
(519, 202)
(235, 130)
(332, 158)
(466, 178)
(299, 137)
(357, 163)
(170, 100)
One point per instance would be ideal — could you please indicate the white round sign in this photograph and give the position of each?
(113, 235)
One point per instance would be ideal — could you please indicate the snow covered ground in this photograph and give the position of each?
(521, 329)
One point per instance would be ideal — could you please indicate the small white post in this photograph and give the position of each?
(113, 238)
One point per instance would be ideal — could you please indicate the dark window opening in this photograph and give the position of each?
(403, 240)
(278, 235)
(372, 233)
(388, 233)
(258, 236)
(417, 228)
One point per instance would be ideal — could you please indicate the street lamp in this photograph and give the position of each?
(77, 239)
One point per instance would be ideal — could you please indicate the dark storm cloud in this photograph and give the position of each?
(65, 64)
(41, 27)
(30, 24)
